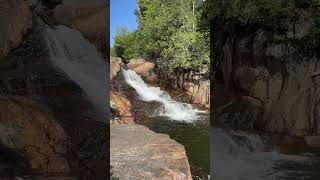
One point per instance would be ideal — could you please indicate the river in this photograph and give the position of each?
(239, 154)
(163, 112)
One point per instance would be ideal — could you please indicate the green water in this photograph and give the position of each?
(193, 136)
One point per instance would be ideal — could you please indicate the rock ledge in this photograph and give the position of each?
(139, 153)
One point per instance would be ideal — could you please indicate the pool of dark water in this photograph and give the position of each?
(193, 136)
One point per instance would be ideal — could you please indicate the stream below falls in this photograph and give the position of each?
(163, 112)
(239, 154)
(235, 154)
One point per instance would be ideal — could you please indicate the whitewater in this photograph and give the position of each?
(170, 108)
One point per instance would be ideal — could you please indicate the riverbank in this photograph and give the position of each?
(193, 135)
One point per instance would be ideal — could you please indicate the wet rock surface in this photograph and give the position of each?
(15, 22)
(196, 86)
(139, 153)
(47, 121)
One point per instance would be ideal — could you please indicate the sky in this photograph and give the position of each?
(122, 14)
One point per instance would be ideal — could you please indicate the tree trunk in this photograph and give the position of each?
(139, 12)
(193, 26)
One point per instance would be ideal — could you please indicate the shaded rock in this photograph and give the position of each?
(58, 164)
(152, 78)
(15, 21)
(279, 81)
(139, 153)
(122, 106)
(32, 129)
(194, 84)
(55, 178)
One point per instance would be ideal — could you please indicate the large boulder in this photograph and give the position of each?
(193, 83)
(114, 66)
(122, 106)
(199, 92)
(89, 17)
(141, 67)
(133, 63)
(31, 129)
(136, 152)
(15, 21)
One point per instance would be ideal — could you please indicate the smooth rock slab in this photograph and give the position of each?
(139, 153)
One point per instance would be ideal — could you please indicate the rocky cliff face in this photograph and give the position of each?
(278, 81)
(46, 121)
(15, 21)
(197, 87)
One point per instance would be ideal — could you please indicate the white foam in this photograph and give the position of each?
(172, 109)
(80, 61)
(240, 156)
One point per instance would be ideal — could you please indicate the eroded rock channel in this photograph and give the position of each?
(137, 103)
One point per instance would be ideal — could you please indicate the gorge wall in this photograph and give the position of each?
(46, 121)
(279, 80)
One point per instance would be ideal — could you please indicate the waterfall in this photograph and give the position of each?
(172, 109)
(71, 53)
(238, 155)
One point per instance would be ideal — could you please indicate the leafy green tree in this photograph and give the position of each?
(125, 44)
(277, 16)
(113, 52)
(171, 34)
(168, 31)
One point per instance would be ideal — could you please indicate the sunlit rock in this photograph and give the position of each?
(139, 153)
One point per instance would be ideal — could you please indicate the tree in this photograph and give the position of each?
(167, 34)
(125, 44)
(170, 33)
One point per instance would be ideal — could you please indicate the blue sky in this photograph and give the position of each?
(122, 14)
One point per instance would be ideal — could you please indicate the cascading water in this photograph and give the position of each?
(238, 155)
(73, 54)
(172, 109)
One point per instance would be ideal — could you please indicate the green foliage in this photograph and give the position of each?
(113, 52)
(125, 44)
(171, 34)
(278, 16)
(169, 31)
